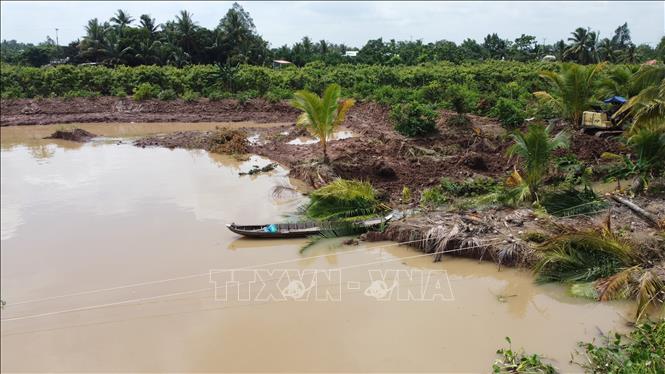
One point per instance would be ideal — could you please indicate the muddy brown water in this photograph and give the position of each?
(99, 216)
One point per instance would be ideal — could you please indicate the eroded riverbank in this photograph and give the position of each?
(80, 217)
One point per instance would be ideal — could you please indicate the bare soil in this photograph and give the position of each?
(376, 153)
(75, 135)
(114, 109)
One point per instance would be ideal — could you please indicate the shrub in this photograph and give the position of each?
(433, 92)
(509, 113)
(470, 187)
(245, 96)
(80, 93)
(413, 119)
(458, 120)
(433, 197)
(216, 95)
(190, 96)
(145, 91)
(277, 94)
(167, 94)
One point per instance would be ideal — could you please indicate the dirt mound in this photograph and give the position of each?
(221, 140)
(228, 141)
(75, 135)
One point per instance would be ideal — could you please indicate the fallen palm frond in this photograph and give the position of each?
(583, 256)
(602, 265)
(573, 202)
(344, 199)
(282, 190)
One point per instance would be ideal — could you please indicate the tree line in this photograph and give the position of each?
(123, 40)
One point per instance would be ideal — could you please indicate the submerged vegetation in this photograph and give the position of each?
(514, 362)
(640, 351)
(601, 264)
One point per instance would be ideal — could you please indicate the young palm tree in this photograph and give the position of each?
(572, 90)
(535, 147)
(321, 115)
(647, 108)
(618, 81)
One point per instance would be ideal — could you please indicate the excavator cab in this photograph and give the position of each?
(600, 121)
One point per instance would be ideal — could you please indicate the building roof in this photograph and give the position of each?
(281, 61)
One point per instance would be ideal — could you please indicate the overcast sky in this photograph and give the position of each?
(353, 23)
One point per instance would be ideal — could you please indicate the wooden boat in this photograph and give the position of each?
(293, 230)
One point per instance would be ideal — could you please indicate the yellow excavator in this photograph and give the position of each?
(601, 122)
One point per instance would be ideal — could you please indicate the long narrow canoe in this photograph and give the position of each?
(291, 230)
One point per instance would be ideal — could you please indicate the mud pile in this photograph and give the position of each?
(75, 135)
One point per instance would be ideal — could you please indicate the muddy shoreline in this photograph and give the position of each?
(376, 152)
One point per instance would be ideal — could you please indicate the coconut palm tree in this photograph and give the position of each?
(535, 147)
(114, 50)
(572, 90)
(92, 45)
(322, 115)
(559, 50)
(185, 29)
(121, 20)
(592, 47)
(647, 108)
(579, 47)
(618, 81)
(629, 54)
(606, 50)
(148, 25)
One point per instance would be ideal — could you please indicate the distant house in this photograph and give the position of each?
(350, 53)
(276, 64)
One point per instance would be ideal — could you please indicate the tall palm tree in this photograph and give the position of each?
(560, 48)
(121, 19)
(629, 54)
(185, 28)
(592, 44)
(606, 50)
(92, 45)
(148, 25)
(572, 90)
(535, 147)
(579, 47)
(322, 115)
(114, 50)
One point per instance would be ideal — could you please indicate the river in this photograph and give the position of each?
(107, 251)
